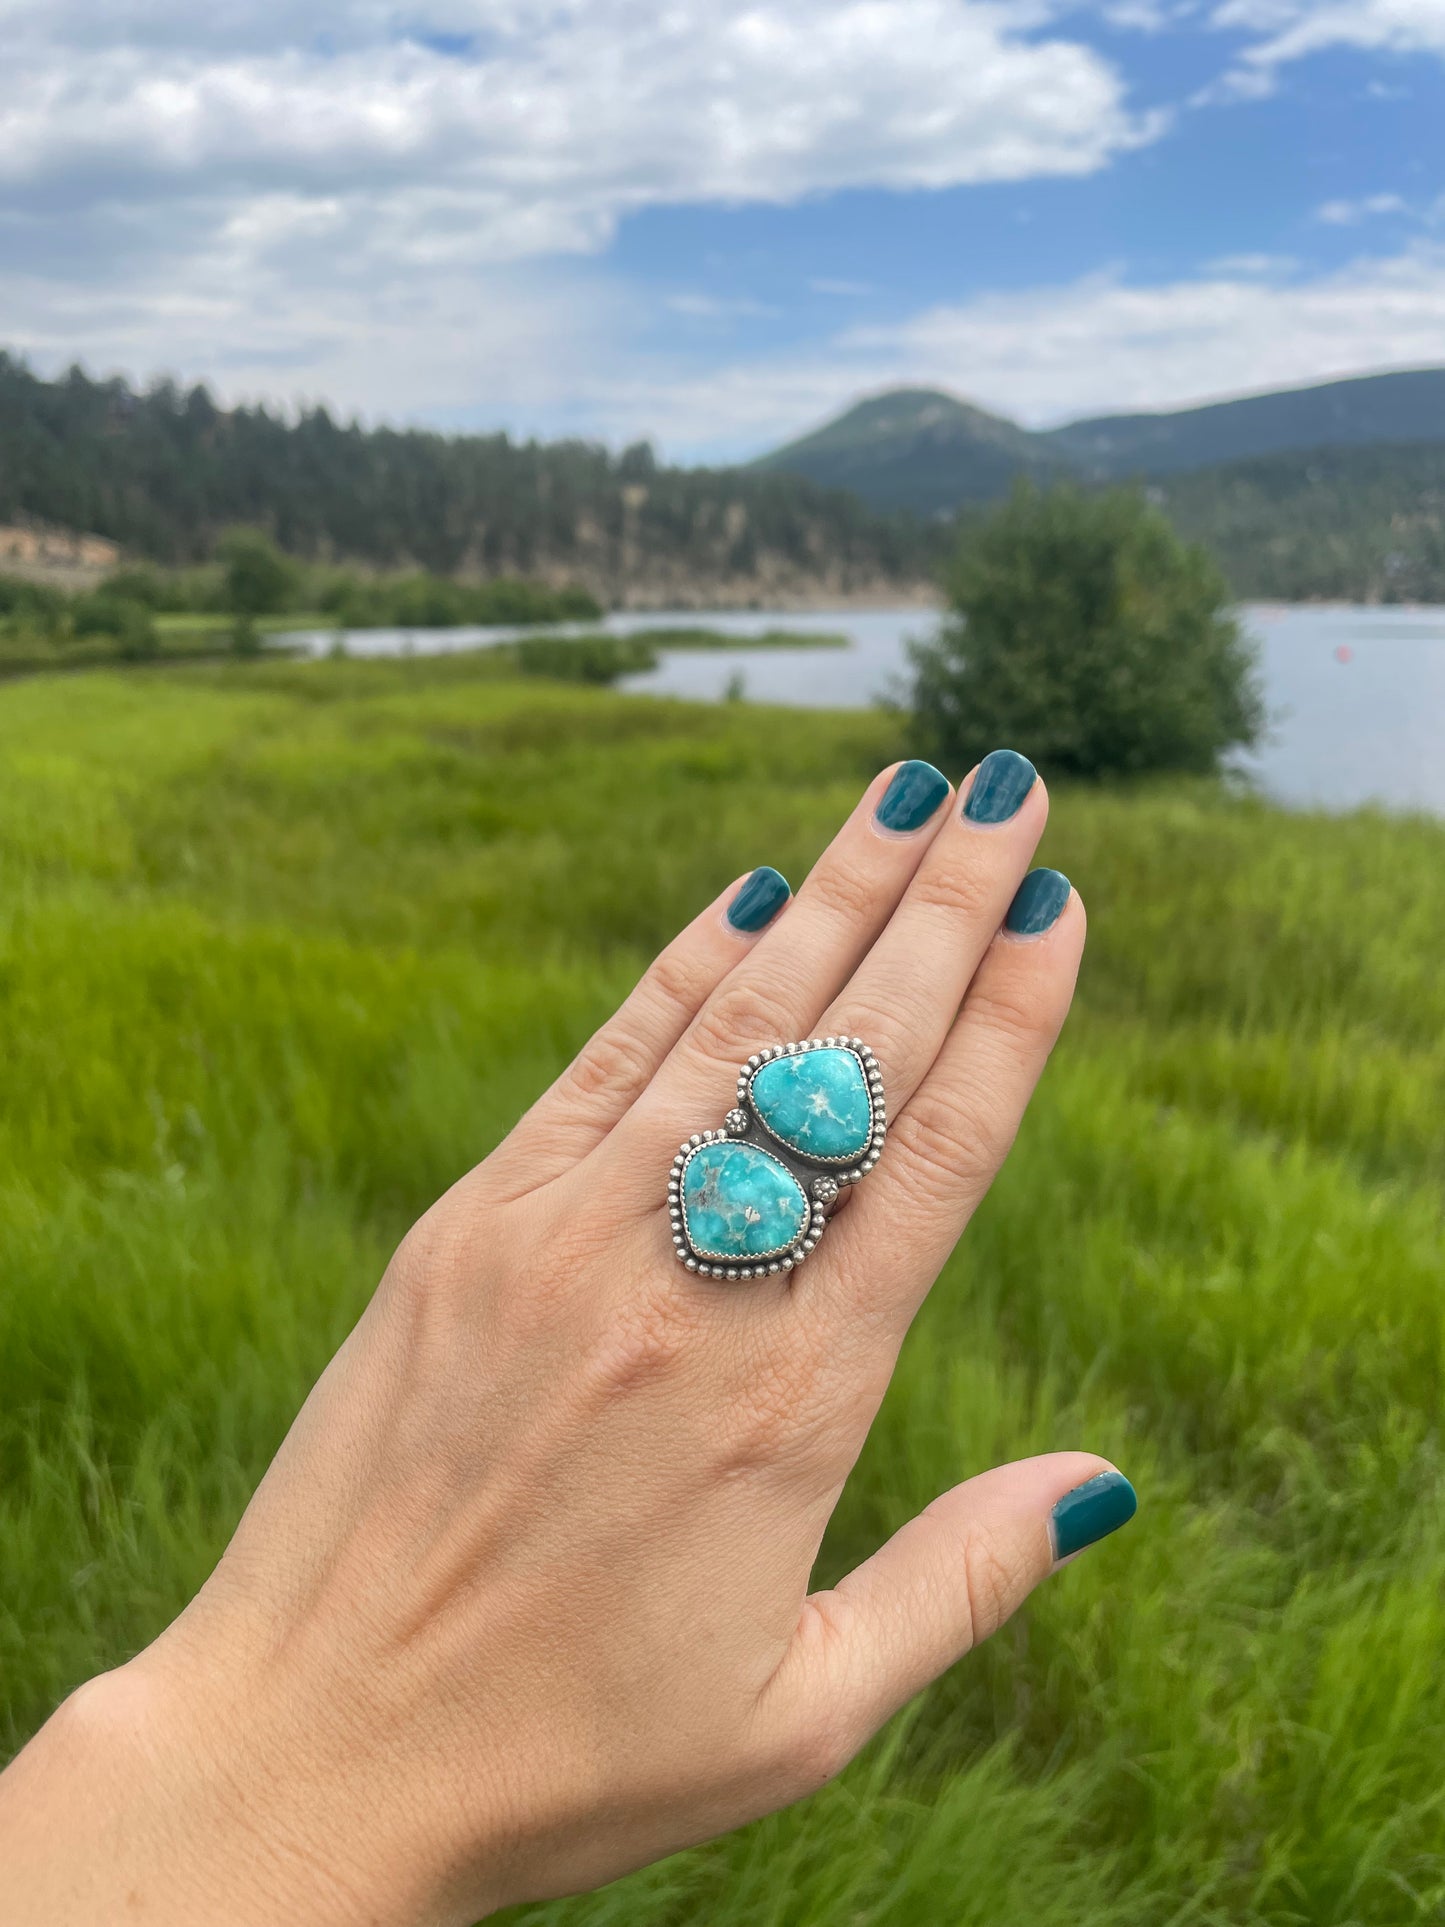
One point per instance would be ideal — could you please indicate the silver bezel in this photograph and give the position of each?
(820, 1179)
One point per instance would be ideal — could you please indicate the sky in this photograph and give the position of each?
(713, 223)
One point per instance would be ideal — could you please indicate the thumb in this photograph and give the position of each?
(941, 1584)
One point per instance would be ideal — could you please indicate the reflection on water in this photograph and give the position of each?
(1356, 696)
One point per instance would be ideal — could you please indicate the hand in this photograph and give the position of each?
(522, 1602)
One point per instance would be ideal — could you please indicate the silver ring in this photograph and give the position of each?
(753, 1199)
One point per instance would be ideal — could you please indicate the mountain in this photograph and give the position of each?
(164, 472)
(1408, 406)
(917, 449)
(925, 451)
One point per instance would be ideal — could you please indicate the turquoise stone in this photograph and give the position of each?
(740, 1202)
(816, 1103)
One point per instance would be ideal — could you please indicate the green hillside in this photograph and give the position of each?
(1347, 524)
(928, 452)
(1392, 408)
(916, 449)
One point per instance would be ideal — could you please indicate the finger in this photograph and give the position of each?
(775, 993)
(939, 1587)
(617, 1064)
(946, 1145)
(904, 996)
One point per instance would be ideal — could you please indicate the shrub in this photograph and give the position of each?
(129, 624)
(1086, 632)
(31, 605)
(257, 579)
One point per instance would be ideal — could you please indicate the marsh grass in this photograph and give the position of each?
(285, 946)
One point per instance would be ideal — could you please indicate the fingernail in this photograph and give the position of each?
(1091, 1512)
(759, 900)
(1038, 903)
(911, 798)
(1004, 779)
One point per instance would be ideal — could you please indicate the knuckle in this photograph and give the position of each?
(988, 1579)
(1012, 1008)
(959, 891)
(739, 1018)
(878, 1024)
(773, 1419)
(677, 982)
(843, 892)
(940, 1145)
(614, 1064)
(646, 1342)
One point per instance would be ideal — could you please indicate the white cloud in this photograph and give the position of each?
(1289, 30)
(1350, 212)
(562, 117)
(380, 208)
(1102, 344)
(1047, 354)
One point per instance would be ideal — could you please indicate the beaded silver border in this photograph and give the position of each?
(820, 1179)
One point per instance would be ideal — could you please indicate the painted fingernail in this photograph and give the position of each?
(1038, 903)
(911, 798)
(759, 900)
(1004, 779)
(1091, 1512)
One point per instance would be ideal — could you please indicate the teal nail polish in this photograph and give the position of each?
(911, 798)
(1091, 1512)
(1004, 779)
(1038, 903)
(759, 900)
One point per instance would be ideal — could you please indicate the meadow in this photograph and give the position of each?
(285, 946)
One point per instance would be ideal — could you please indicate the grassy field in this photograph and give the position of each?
(284, 947)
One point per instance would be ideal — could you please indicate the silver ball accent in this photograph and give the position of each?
(825, 1189)
(736, 1122)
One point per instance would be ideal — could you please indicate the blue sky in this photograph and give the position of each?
(714, 224)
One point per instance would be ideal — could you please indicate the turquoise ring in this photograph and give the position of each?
(753, 1199)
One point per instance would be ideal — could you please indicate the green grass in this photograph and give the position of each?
(284, 946)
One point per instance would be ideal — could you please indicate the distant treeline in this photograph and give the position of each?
(379, 516)
(1362, 524)
(166, 471)
(1342, 524)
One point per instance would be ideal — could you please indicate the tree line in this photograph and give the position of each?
(166, 471)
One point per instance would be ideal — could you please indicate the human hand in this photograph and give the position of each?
(522, 1602)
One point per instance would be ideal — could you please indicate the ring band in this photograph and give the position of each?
(753, 1198)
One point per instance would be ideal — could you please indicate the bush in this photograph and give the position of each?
(146, 586)
(30, 605)
(257, 579)
(129, 624)
(1086, 632)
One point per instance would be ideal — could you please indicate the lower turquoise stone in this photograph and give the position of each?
(740, 1202)
(816, 1103)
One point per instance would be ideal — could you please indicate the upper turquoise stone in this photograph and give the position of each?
(816, 1103)
(740, 1202)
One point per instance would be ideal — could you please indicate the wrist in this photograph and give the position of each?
(145, 1797)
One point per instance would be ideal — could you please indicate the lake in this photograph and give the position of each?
(1356, 695)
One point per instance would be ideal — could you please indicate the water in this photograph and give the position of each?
(1356, 696)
